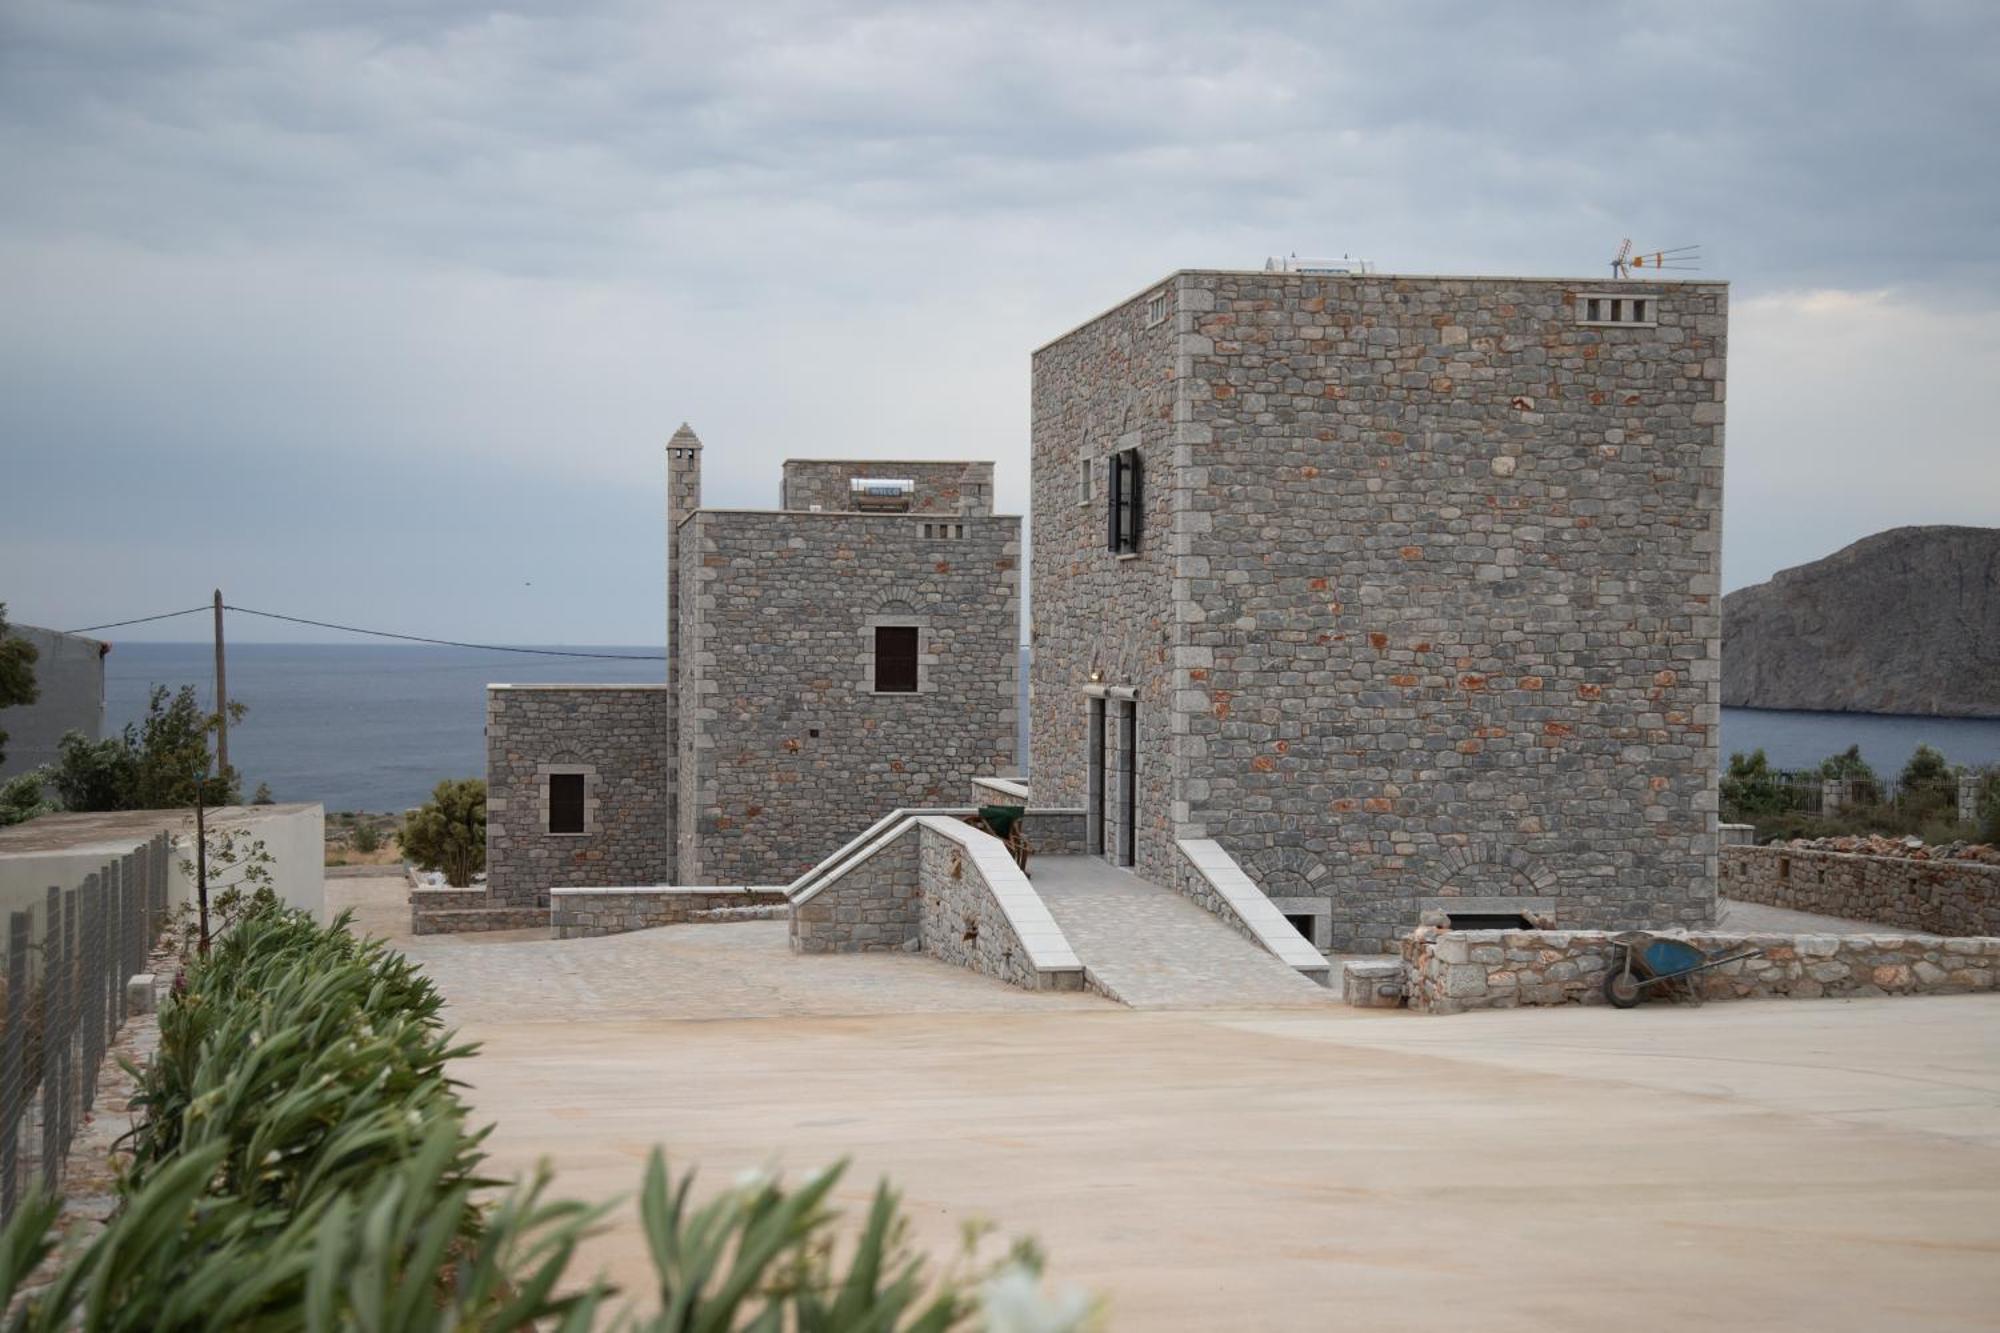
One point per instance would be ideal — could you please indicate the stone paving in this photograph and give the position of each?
(1154, 949)
(1757, 919)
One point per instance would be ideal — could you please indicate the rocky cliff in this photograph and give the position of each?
(1905, 621)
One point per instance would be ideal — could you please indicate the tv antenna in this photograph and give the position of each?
(1682, 257)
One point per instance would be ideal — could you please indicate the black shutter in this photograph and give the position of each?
(1114, 476)
(1136, 485)
(565, 802)
(896, 659)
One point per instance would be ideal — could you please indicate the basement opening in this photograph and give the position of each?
(1302, 923)
(1489, 921)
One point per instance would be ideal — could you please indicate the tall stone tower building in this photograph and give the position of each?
(852, 651)
(1403, 589)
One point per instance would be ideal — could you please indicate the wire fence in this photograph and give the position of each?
(69, 959)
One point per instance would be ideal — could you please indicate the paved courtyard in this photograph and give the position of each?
(1807, 1164)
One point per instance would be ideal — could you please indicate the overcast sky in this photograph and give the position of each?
(383, 312)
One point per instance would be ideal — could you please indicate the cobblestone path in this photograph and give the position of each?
(1154, 949)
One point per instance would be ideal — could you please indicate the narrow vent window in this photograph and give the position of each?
(1603, 309)
(1158, 306)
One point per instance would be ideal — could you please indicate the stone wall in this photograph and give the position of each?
(1941, 897)
(618, 732)
(943, 486)
(1105, 387)
(871, 907)
(1453, 971)
(1435, 618)
(787, 749)
(931, 887)
(578, 913)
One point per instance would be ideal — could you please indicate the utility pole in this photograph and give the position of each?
(221, 695)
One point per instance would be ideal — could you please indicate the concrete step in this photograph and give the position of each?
(1151, 948)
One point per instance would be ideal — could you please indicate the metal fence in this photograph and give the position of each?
(68, 961)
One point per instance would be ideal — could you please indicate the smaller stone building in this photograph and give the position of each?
(853, 651)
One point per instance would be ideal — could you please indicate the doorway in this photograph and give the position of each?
(1111, 813)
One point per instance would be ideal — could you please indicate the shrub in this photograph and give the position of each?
(367, 839)
(22, 797)
(152, 766)
(448, 832)
(1750, 788)
(1929, 787)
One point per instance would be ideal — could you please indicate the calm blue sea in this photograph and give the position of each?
(362, 727)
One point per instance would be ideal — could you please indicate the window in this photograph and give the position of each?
(565, 802)
(944, 532)
(895, 659)
(881, 495)
(1086, 480)
(1605, 310)
(1127, 500)
(1158, 306)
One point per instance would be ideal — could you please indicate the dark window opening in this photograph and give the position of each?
(1489, 921)
(565, 802)
(896, 659)
(1127, 500)
(1302, 924)
(1592, 307)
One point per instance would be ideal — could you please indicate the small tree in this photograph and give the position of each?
(232, 876)
(448, 832)
(17, 672)
(263, 795)
(1750, 788)
(1929, 786)
(156, 765)
(367, 839)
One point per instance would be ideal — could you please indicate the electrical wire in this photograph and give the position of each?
(164, 615)
(447, 643)
(377, 633)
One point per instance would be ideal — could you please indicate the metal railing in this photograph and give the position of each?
(68, 961)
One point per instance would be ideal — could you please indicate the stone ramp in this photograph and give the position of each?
(1151, 948)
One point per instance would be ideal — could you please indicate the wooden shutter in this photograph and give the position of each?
(896, 659)
(1114, 477)
(1135, 488)
(565, 802)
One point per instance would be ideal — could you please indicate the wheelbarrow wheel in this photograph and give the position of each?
(1621, 988)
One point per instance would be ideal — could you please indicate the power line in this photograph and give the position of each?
(378, 633)
(447, 643)
(164, 615)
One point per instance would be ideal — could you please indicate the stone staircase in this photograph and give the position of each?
(1150, 948)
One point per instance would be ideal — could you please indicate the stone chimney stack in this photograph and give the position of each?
(683, 498)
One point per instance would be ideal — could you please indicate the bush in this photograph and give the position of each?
(22, 798)
(367, 838)
(1750, 788)
(152, 766)
(304, 1164)
(448, 832)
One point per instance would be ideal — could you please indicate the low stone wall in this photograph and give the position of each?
(467, 920)
(579, 913)
(1451, 971)
(936, 886)
(1938, 897)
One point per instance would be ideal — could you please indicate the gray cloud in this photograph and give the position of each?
(531, 241)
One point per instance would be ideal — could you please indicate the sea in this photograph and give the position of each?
(375, 727)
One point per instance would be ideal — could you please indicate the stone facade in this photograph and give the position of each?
(1941, 897)
(1425, 609)
(787, 749)
(942, 486)
(617, 736)
(1452, 971)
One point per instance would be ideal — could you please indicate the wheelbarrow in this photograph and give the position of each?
(1009, 824)
(1653, 961)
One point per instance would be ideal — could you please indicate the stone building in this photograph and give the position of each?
(1405, 590)
(853, 651)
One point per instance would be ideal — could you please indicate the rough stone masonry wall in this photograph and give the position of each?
(619, 731)
(960, 920)
(787, 749)
(582, 913)
(872, 908)
(1450, 972)
(1449, 587)
(1105, 387)
(1942, 897)
(943, 486)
